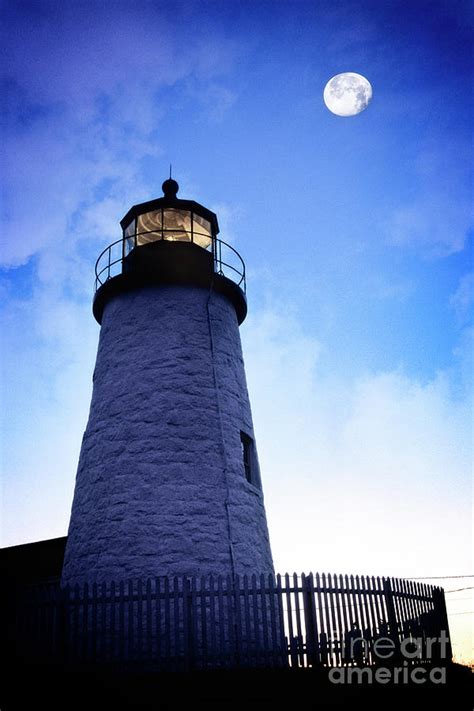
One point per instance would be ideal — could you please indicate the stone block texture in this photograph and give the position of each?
(161, 487)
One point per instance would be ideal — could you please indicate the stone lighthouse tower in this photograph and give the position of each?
(168, 481)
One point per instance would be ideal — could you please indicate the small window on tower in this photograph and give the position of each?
(247, 454)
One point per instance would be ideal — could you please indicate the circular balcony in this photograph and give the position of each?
(169, 256)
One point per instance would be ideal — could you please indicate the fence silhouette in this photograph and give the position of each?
(219, 622)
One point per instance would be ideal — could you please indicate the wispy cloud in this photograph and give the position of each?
(437, 220)
(91, 112)
(463, 298)
(374, 461)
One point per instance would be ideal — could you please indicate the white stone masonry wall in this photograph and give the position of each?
(156, 492)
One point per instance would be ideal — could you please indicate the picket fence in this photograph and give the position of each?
(219, 622)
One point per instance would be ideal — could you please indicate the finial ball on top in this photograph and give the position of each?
(170, 188)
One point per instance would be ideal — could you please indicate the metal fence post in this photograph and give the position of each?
(442, 625)
(312, 642)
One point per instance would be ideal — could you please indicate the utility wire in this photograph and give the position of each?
(443, 577)
(459, 589)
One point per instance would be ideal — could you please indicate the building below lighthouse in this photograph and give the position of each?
(168, 481)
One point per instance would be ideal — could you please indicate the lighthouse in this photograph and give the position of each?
(168, 480)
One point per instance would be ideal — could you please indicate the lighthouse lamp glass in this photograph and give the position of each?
(177, 225)
(129, 237)
(170, 224)
(149, 227)
(202, 234)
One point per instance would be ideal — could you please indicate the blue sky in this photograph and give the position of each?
(357, 235)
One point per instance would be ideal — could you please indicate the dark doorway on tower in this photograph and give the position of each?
(249, 459)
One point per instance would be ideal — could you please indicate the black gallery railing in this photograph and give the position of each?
(227, 261)
(216, 622)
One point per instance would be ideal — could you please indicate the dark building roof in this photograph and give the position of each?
(36, 562)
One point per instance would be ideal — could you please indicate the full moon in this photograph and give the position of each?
(347, 94)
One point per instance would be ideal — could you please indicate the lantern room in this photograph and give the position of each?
(170, 241)
(171, 219)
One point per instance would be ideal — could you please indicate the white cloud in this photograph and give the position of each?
(437, 219)
(358, 474)
(216, 100)
(80, 128)
(48, 356)
(463, 298)
(432, 223)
